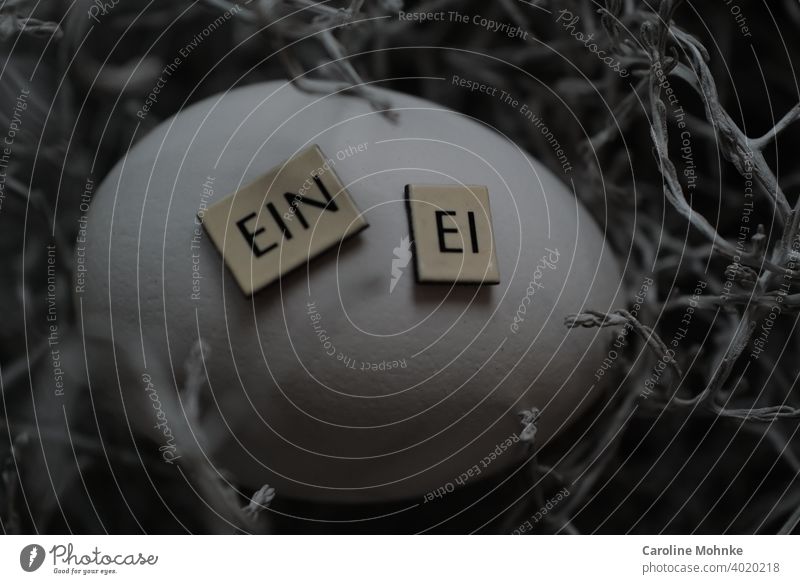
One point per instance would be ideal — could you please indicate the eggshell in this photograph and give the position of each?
(323, 416)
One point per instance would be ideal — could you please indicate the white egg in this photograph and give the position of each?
(410, 385)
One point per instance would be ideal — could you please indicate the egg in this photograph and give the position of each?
(348, 379)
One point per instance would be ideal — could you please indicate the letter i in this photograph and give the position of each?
(473, 231)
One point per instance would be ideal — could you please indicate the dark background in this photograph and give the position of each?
(728, 465)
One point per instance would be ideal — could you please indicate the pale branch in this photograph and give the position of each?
(259, 502)
(736, 145)
(765, 415)
(790, 117)
(621, 317)
(674, 191)
(787, 302)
